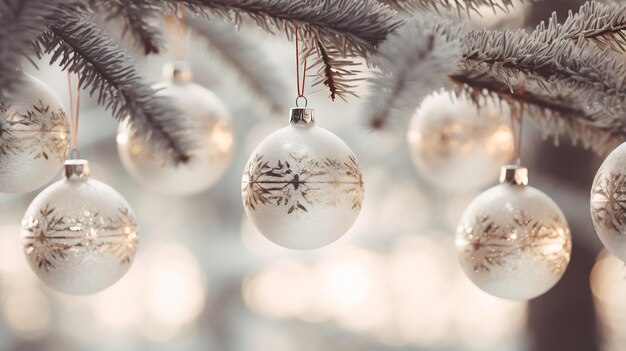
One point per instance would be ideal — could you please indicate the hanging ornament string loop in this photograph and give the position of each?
(74, 113)
(300, 85)
(306, 102)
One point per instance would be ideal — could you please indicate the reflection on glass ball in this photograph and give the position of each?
(457, 146)
(513, 242)
(608, 202)
(34, 137)
(209, 122)
(79, 235)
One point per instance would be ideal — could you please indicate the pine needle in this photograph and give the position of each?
(353, 27)
(412, 63)
(107, 72)
(136, 17)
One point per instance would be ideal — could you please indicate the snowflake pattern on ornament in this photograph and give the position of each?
(52, 237)
(490, 244)
(608, 197)
(300, 181)
(40, 132)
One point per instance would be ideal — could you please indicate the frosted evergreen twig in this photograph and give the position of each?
(602, 24)
(556, 117)
(354, 27)
(460, 6)
(412, 63)
(333, 70)
(136, 17)
(107, 72)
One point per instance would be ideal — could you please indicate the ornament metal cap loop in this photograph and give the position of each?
(302, 116)
(76, 169)
(178, 72)
(514, 174)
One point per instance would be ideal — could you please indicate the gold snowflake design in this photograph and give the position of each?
(300, 182)
(51, 237)
(490, 244)
(609, 202)
(40, 132)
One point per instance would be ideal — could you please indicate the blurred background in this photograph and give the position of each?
(205, 279)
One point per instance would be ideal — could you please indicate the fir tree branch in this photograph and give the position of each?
(21, 22)
(412, 63)
(353, 27)
(243, 55)
(515, 57)
(555, 116)
(136, 16)
(602, 24)
(80, 47)
(334, 70)
(460, 6)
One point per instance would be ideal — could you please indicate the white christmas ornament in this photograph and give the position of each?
(79, 235)
(302, 186)
(513, 241)
(608, 202)
(34, 137)
(457, 146)
(208, 119)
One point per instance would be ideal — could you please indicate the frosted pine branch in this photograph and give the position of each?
(333, 70)
(21, 22)
(515, 58)
(602, 24)
(136, 17)
(556, 116)
(354, 27)
(460, 6)
(580, 77)
(107, 72)
(411, 64)
(243, 55)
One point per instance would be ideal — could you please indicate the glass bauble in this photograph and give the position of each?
(34, 137)
(79, 235)
(209, 122)
(608, 202)
(457, 146)
(513, 241)
(302, 186)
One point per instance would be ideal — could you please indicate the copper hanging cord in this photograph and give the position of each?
(74, 113)
(176, 28)
(300, 87)
(517, 126)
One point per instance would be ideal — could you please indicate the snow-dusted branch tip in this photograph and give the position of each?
(411, 64)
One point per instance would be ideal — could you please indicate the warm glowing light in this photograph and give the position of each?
(26, 310)
(284, 290)
(416, 295)
(222, 137)
(162, 293)
(122, 138)
(608, 285)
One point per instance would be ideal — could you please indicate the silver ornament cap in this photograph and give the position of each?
(514, 175)
(302, 116)
(178, 72)
(77, 169)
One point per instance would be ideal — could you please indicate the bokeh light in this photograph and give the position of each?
(414, 293)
